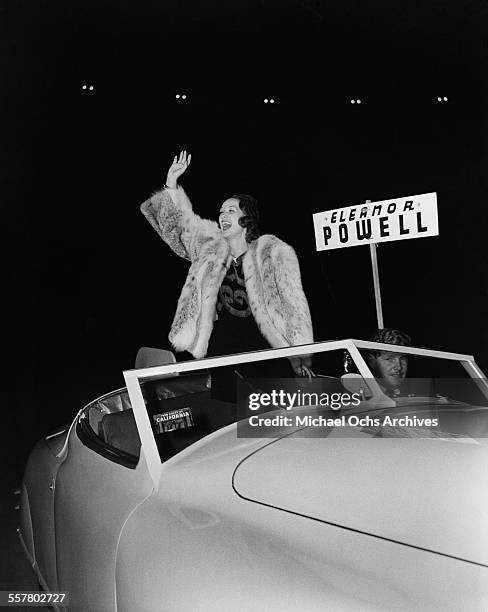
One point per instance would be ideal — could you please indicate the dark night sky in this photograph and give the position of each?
(88, 281)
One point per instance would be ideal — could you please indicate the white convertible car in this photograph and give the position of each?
(317, 495)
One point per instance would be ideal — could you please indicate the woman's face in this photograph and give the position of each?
(229, 216)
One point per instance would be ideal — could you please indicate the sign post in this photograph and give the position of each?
(376, 283)
(373, 222)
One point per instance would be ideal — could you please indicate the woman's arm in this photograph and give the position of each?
(295, 306)
(170, 213)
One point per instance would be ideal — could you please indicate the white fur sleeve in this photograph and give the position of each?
(294, 302)
(170, 213)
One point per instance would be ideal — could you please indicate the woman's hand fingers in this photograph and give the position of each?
(182, 160)
(307, 372)
(179, 165)
(303, 370)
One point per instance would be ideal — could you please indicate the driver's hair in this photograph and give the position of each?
(388, 335)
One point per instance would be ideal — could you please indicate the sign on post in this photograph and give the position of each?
(373, 222)
(395, 219)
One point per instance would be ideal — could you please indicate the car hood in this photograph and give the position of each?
(427, 493)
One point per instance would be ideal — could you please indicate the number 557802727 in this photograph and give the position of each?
(33, 598)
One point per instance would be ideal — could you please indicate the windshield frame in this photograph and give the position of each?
(135, 377)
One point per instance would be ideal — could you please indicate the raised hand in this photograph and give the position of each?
(301, 366)
(179, 165)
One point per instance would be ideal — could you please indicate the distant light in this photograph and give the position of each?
(266, 100)
(84, 87)
(177, 96)
(358, 101)
(353, 101)
(271, 101)
(183, 97)
(445, 99)
(91, 88)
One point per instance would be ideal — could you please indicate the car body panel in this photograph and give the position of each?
(207, 549)
(93, 499)
(37, 508)
(437, 495)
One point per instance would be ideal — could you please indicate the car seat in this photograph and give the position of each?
(119, 429)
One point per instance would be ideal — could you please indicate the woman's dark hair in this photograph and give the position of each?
(250, 219)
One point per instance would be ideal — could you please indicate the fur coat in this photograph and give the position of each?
(271, 272)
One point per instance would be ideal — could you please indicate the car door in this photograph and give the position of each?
(97, 488)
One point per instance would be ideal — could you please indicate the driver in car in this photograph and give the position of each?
(388, 367)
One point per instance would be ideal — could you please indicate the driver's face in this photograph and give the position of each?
(391, 368)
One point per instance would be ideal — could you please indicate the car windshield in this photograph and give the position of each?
(423, 376)
(187, 401)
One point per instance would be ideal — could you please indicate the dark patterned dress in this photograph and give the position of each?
(236, 331)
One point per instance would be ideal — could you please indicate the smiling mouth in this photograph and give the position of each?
(225, 225)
